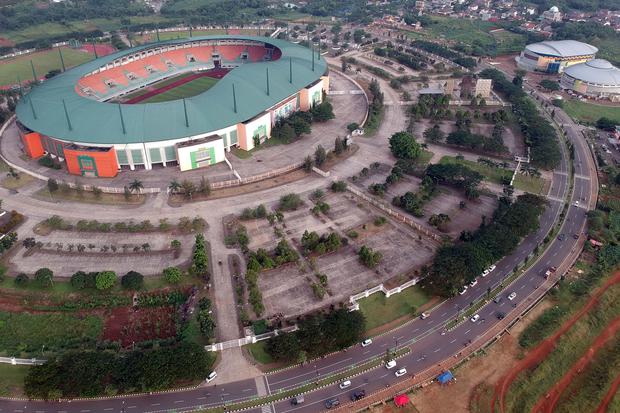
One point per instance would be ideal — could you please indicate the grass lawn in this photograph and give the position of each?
(90, 198)
(522, 182)
(160, 84)
(12, 379)
(28, 333)
(380, 310)
(424, 158)
(19, 67)
(189, 89)
(258, 352)
(9, 182)
(590, 112)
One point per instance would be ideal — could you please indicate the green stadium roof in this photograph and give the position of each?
(94, 122)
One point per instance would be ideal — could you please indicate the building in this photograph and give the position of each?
(554, 56)
(597, 79)
(552, 15)
(72, 117)
(483, 88)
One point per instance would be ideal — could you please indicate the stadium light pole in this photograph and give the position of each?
(234, 98)
(290, 70)
(62, 60)
(267, 73)
(64, 105)
(34, 73)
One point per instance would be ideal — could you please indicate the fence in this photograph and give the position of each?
(21, 362)
(256, 178)
(239, 342)
(395, 214)
(388, 293)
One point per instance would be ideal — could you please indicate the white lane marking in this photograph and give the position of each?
(444, 313)
(453, 341)
(415, 330)
(179, 401)
(522, 287)
(366, 352)
(157, 404)
(468, 331)
(438, 348)
(385, 375)
(244, 390)
(131, 407)
(108, 409)
(198, 398)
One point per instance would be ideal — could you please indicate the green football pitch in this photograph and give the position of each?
(186, 90)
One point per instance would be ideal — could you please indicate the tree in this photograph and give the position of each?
(105, 280)
(368, 257)
(132, 280)
(44, 277)
(439, 220)
(320, 156)
(353, 126)
(404, 146)
(605, 124)
(189, 188)
(21, 280)
(434, 134)
(339, 186)
(126, 192)
(136, 186)
(174, 186)
(78, 280)
(323, 112)
(550, 84)
(172, 275)
(339, 146)
(283, 347)
(308, 163)
(205, 186)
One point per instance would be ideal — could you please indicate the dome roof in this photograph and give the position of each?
(597, 71)
(554, 9)
(562, 48)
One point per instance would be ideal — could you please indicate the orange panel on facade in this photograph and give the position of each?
(33, 145)
(96, 163)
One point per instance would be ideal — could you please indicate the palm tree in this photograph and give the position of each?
(174, 186)
(136, 186)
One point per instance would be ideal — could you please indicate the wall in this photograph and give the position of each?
(189, 156)
(260, 126)
(99, 163)
(33, 145)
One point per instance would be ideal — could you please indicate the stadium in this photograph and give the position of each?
(597, 79)
(555, 56)
(178, 103)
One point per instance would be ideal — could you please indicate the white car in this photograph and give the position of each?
(366, 342)
(463, 291)
(576, 203)
(473, 283)
(489, 270)
(485, 272)
(475, 318)
(492, 267)
(345, 384)
(211, 376)
(512, 296)
(400, 372)
(390, 364)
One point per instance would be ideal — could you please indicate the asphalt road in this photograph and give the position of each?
(428, 342)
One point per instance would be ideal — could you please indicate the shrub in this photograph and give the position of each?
(172, 275)
(368, 257)
(320, 155)
(339, 186)
(78, 280)
(380, 221)
(21, 280)
(105, 280)
(44, 277)
(290, 202)
(132, 280)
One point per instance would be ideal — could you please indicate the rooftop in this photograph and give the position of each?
(597, 71)
(563, 48)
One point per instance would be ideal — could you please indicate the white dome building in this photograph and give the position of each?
(554, 56)
(597, 78)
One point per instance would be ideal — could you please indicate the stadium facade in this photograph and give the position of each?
(73, 116)
(596, 79)
(555, 56)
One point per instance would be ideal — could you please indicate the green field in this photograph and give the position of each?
(189, 89)
(161, 84)
(12, 379)
(259, 353)
(23, 333)
(380, 310)
(589, 112)
(19, 67)
(522, 182)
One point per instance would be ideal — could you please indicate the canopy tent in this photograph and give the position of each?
(445, 377)
(401, 400)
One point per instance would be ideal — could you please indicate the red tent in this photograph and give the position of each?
(401, 400)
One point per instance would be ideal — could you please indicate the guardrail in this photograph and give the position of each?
(240, 342)
(21, 362)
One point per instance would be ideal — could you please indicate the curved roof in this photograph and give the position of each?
(94, 122)
(597, 71)
(562, 48)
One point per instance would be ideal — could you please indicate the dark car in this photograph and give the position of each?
(498, 299)
(359, 394)
(332, 403)
(561, 237)
(576, 236)
(500, 315)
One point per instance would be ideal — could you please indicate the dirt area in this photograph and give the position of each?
(476, 378)
(288, 290)
(128, 325)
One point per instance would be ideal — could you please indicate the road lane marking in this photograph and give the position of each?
(439, 348)
(198, 398)
(444, 313)
(157, 404)
(366, 352)
(179, 401)
(468, 331)
(108, 409)
(453, 341)
(244, 390)
(385, 375)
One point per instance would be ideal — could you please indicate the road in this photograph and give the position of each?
(424, 337)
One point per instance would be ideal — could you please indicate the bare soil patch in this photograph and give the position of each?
(128, 325)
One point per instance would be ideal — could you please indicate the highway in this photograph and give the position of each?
(427, 339)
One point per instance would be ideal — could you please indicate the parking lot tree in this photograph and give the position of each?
(133, 280)
(434, 134)
(404, 146)
(368, 257)
(289, 202)
(308, 163)
(52, 185)
(339, 146)
(105, 280)
(44, 277)
(320, 155)
(339, 186)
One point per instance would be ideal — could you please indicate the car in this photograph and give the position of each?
(299, 399)
(211, 376)
(485, 273)
(332, 402)
(492, 267)
(390, 364)
(561, 237)
(576, 236)
(345, 384)
(463, 291)
(366, 342)
(475, 318)
(498, 299)
(400, 372)
(500, 315)
(425, 315)
(576, 203)
(512, 296)
(358, 394)
(473, 283)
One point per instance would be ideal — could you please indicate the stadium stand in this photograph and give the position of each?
(256, 53)
(231, 53)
